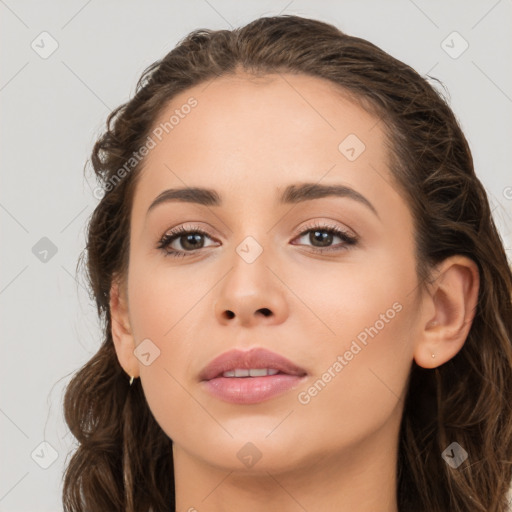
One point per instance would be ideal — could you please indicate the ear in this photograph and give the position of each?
(448, 311)
(121, 330)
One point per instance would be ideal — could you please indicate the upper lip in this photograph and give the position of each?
(254, 358)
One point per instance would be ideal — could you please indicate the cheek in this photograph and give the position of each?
(363, 380)
(162, 308)
(365, 358)
(163, 299)
(341, 300)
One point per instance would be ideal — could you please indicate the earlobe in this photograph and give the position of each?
(452, 301)
(122, 336)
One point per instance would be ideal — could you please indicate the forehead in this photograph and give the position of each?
(278, 103)
(261, 133)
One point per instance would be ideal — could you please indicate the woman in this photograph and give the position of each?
(306, 303)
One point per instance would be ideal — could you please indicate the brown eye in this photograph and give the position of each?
(181, 241)
(322, 237)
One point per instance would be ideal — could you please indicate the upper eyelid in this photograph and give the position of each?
(193, 229)
(177, 232)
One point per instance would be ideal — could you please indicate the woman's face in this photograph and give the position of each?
(345, 317)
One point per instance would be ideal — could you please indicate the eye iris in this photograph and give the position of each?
(324, 237)
(190, 238)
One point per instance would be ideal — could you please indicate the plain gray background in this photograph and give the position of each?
(54, 107)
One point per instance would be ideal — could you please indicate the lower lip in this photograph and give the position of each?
(251, 390)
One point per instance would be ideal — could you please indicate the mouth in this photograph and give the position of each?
(250, 377)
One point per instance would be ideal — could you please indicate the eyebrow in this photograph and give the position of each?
(292, 194)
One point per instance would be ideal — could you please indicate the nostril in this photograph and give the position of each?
(264, 311)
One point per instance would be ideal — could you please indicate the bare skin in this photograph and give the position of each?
(333, 449)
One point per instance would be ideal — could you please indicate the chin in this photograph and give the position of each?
(251, 451)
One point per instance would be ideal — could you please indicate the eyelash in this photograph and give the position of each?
(168, 238)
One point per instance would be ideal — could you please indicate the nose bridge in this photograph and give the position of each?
(251, 238)
(249, 275)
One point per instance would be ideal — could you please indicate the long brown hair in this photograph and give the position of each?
(124, 459)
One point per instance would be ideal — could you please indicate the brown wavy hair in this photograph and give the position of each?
(123, 461)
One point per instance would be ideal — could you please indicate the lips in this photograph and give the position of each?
(253, 359)
(250, 377)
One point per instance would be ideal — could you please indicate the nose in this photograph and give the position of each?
(251, 294)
